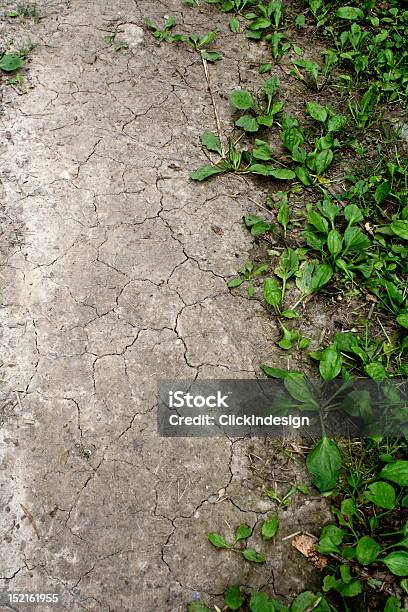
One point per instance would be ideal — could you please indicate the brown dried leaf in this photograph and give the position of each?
(306, 544)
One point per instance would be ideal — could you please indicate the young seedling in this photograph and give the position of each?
(242, 533)
(249, 273)
(164, 34)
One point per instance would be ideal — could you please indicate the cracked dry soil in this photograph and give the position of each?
(112, 278)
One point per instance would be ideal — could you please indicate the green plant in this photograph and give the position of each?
(369, 41)
(242, 533)
(164, 34)
(26, 11)
(195, 41)
(110, 40)
(371, 496)
(251, 272)
(257, 113)
(10, 62)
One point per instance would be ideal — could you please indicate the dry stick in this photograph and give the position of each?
(19, 400)
(261, 206)
(31, 519)
(217, 119)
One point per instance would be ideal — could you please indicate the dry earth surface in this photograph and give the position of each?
(112, 276)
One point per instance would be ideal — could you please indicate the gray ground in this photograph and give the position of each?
(112, 277)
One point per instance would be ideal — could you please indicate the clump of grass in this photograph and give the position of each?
(26, 11)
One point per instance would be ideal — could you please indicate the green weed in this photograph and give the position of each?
(26, 11)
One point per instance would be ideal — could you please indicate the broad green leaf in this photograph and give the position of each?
(10, 62)
(289, 314)
(355, 239)
(336, 123)
(288, 264)
(400, 228)
(243, 532)
(304, 277)
(315, 241)
(276, 372)
(242, 99)
(299, 154)
(233, 597)
(328, 209)
(262, 150)
(292, 137)
(262, 169)
(211, 56)
(352, 589)
(234, 25)
(324, 463)
(318, 221)
(261, 602)
(317, 111)
(211, 142)
(261, 23)
(348, 342)
(303, 343)
(247, 123)
(334, 242)
(375, 370)
(402, 320)
(205, 172)
(404, 542)
(283, 215)
(270, 527)
(396, 472)
(330, 363)
(353, 214)
(235, 282)
(309, 601)
(392, 605)
(271, 86)
(349, 12)
(381, 494)
(367, 550)
(197, 606)
(308, 65)
(261, 228)
(397, 562)
(358, 403)
(298, 388)
(272, 292)
(217, 540)
(382, 191)
(208, 38)
(283, 174)
(275, 108)
(321, 276)
(330, 539)
(348, 507)
(303, 175)
(265, 120)
(251, 555)
(323, 160)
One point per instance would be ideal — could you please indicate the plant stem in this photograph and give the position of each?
(217, 119)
